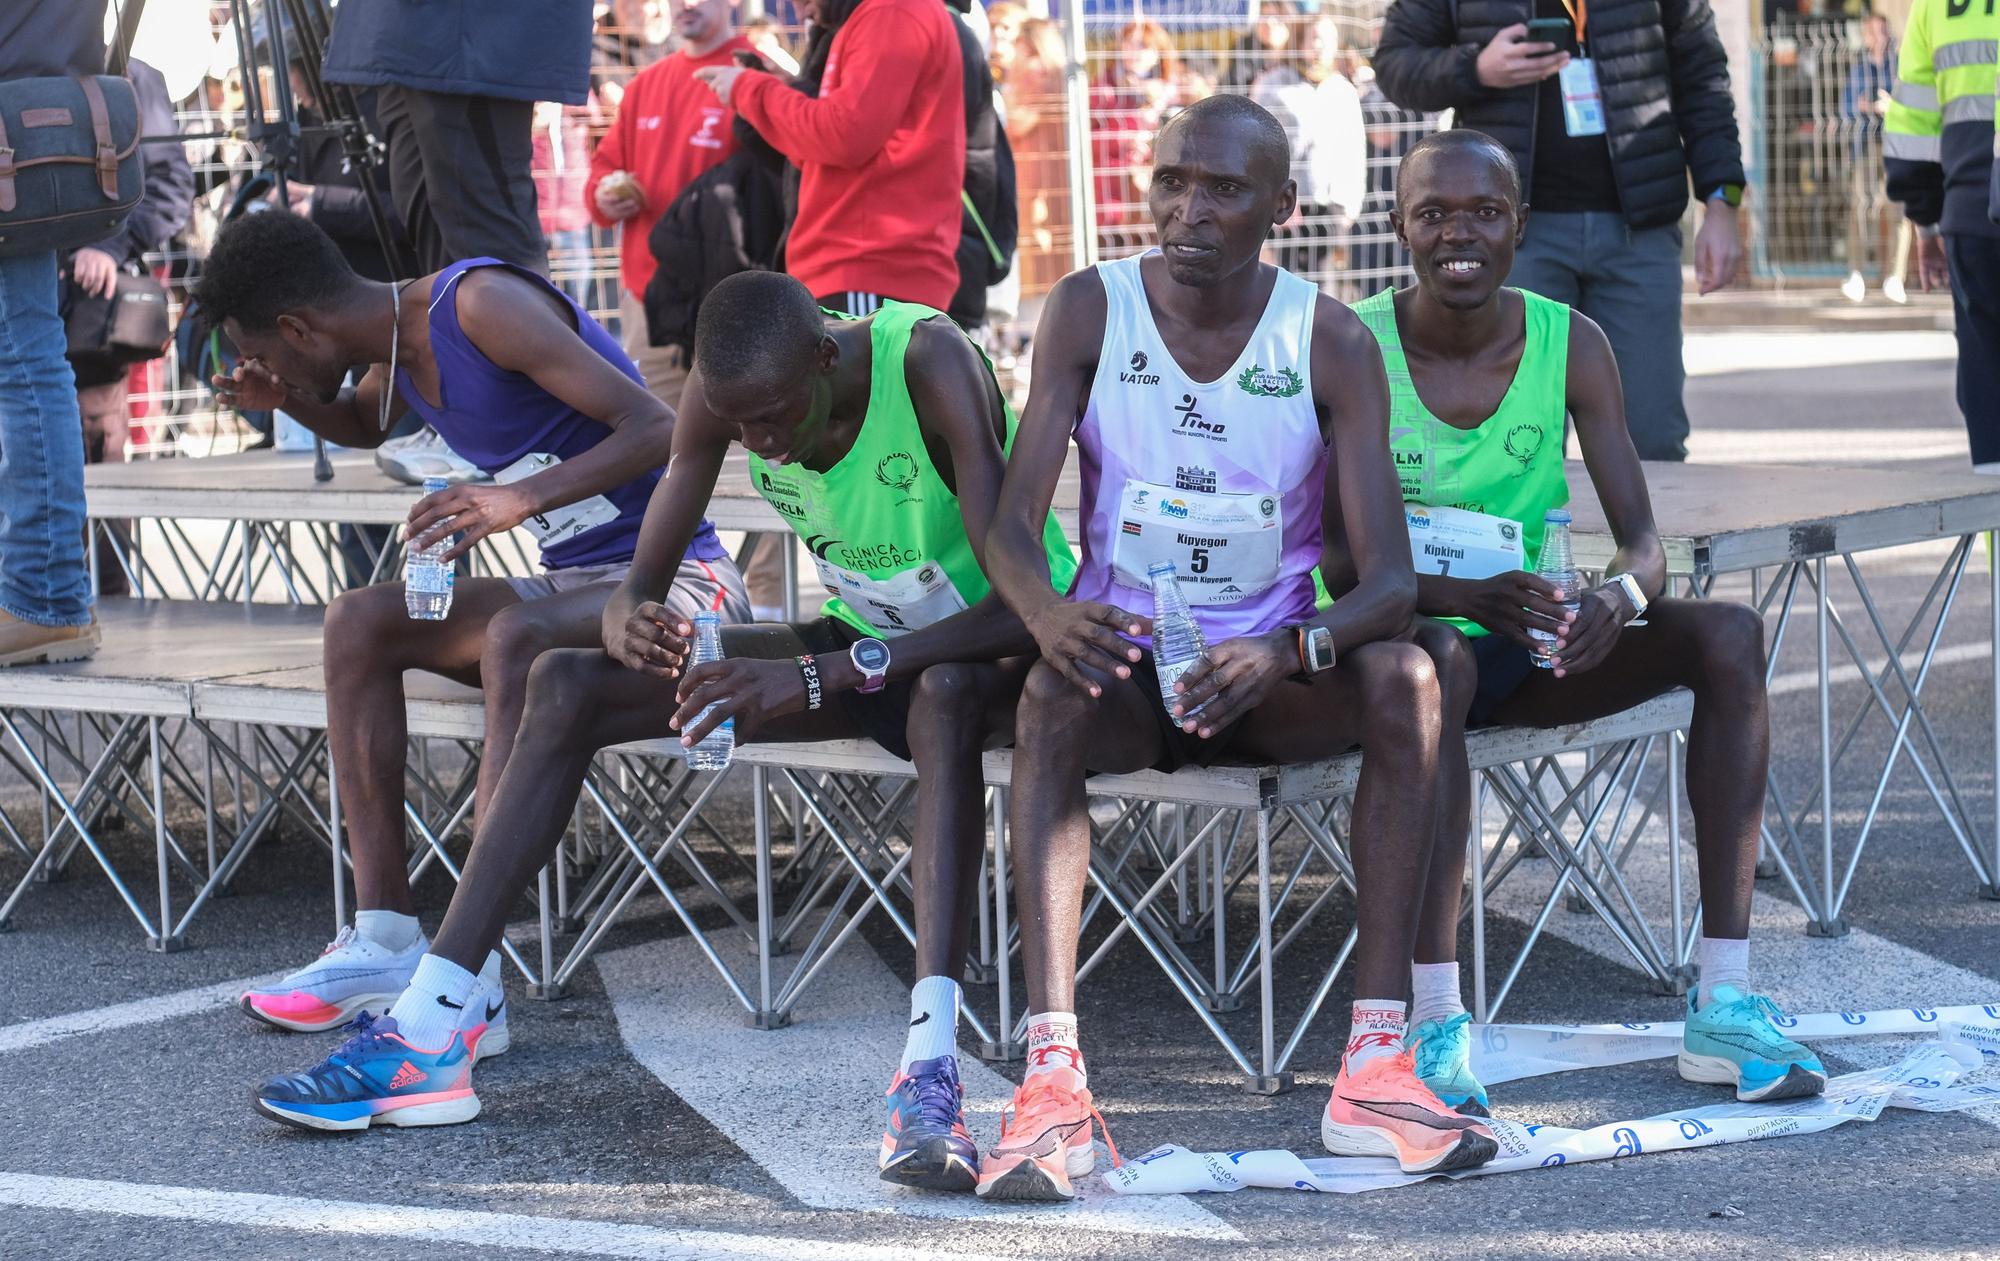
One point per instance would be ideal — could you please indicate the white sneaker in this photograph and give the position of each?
(1892, 289)
(1854, 288)
(424, 454)
(487, 1006)
(351, 975)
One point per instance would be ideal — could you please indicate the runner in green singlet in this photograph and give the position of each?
(1480, 377)
(882, 441)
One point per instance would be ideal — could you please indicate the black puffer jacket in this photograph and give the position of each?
(1661, 66)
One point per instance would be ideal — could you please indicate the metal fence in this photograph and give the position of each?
(1819, 205)
(1084, 94)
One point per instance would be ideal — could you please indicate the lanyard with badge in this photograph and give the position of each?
(1583, 104)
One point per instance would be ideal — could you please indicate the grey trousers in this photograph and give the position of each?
(1629, 281)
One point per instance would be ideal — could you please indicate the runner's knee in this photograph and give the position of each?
(1052, 706)
(1457, 670)
(1729, 647)
(947, 707)
(515, 638)
(1400, 695)
(565, 692)
(362, 631)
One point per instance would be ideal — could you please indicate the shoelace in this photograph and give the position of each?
(345, 937)
(1041, 1094)
(1431, 1052)
(363, 1039)
(1759, 1007)
(938, 1097)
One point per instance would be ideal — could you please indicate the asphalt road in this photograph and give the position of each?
(636, 1117)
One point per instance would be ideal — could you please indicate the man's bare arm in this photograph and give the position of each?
(1069, 634)
(1366, 547)
(638, 630)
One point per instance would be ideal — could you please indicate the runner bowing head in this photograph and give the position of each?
(1218, 405)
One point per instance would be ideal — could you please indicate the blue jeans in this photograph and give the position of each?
(1629, 281)
(42, 575)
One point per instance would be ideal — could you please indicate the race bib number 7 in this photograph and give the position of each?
(1455, 543)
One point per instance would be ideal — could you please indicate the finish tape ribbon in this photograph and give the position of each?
(1966, 1041)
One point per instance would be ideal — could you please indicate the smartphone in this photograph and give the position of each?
(1558, 31)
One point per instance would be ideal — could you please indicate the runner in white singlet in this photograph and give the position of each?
(1205, 389)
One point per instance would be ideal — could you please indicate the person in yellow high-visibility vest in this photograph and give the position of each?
(1938, 145)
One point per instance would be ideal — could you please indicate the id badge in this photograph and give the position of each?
(1583, 106)
(558, 525)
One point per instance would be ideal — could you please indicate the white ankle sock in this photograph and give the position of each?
(1377, 1029)
(391, 930)
(1434, 992)
(1052, 1044)
(933, 1021)
(1722, 961)
(429, 1011)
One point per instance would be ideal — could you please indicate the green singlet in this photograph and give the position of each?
(884, 530)
(1509, 465)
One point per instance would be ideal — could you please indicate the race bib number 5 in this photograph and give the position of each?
(1226, 548)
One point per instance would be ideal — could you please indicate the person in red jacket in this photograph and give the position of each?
(668, 131)
(880, 151)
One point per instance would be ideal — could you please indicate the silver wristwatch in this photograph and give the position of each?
(1634, 594)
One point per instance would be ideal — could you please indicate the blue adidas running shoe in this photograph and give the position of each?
(925, 1143)
(375, 1076)
(1734, 1041)
(1444, 1063)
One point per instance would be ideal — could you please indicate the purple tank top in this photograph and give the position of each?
(494, 418)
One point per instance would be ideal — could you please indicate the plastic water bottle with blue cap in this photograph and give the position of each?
(1177, 640)
(1557, 567)
(427, 576)
(718, 746)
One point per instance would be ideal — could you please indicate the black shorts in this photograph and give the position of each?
(1504, 666)
(1178, 748)
(883, 716)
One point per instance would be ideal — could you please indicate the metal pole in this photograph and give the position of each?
(1477, 840)
(1823, 923)
(1076, 92)
(1991, 891)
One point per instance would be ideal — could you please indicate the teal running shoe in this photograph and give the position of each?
(1734, 1041)
(1444, 1064)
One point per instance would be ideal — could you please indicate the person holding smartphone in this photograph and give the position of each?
(1608, 107)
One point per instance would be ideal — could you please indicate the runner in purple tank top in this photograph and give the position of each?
(517, 379)
(1218, 406)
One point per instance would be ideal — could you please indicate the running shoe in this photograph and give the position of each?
(425, 454)
(352, 973)
(1734, 1041)
(1382, 1109)
(375, 1076)
(1044, 1141)
(926, 1143)
(1443, 1050)
(487, 1007)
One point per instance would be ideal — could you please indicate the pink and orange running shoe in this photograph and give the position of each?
(1045, 1141)
(1384, 1109)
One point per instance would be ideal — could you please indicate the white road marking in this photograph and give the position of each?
(1710, 353)
(805, 1101)
(33, 1033)
(1858, 972)
(478, 1231)
(1807, 680)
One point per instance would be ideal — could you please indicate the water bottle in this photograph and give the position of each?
(427, 576)
(716, 748)
(1555, 566)
(1177, 641)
